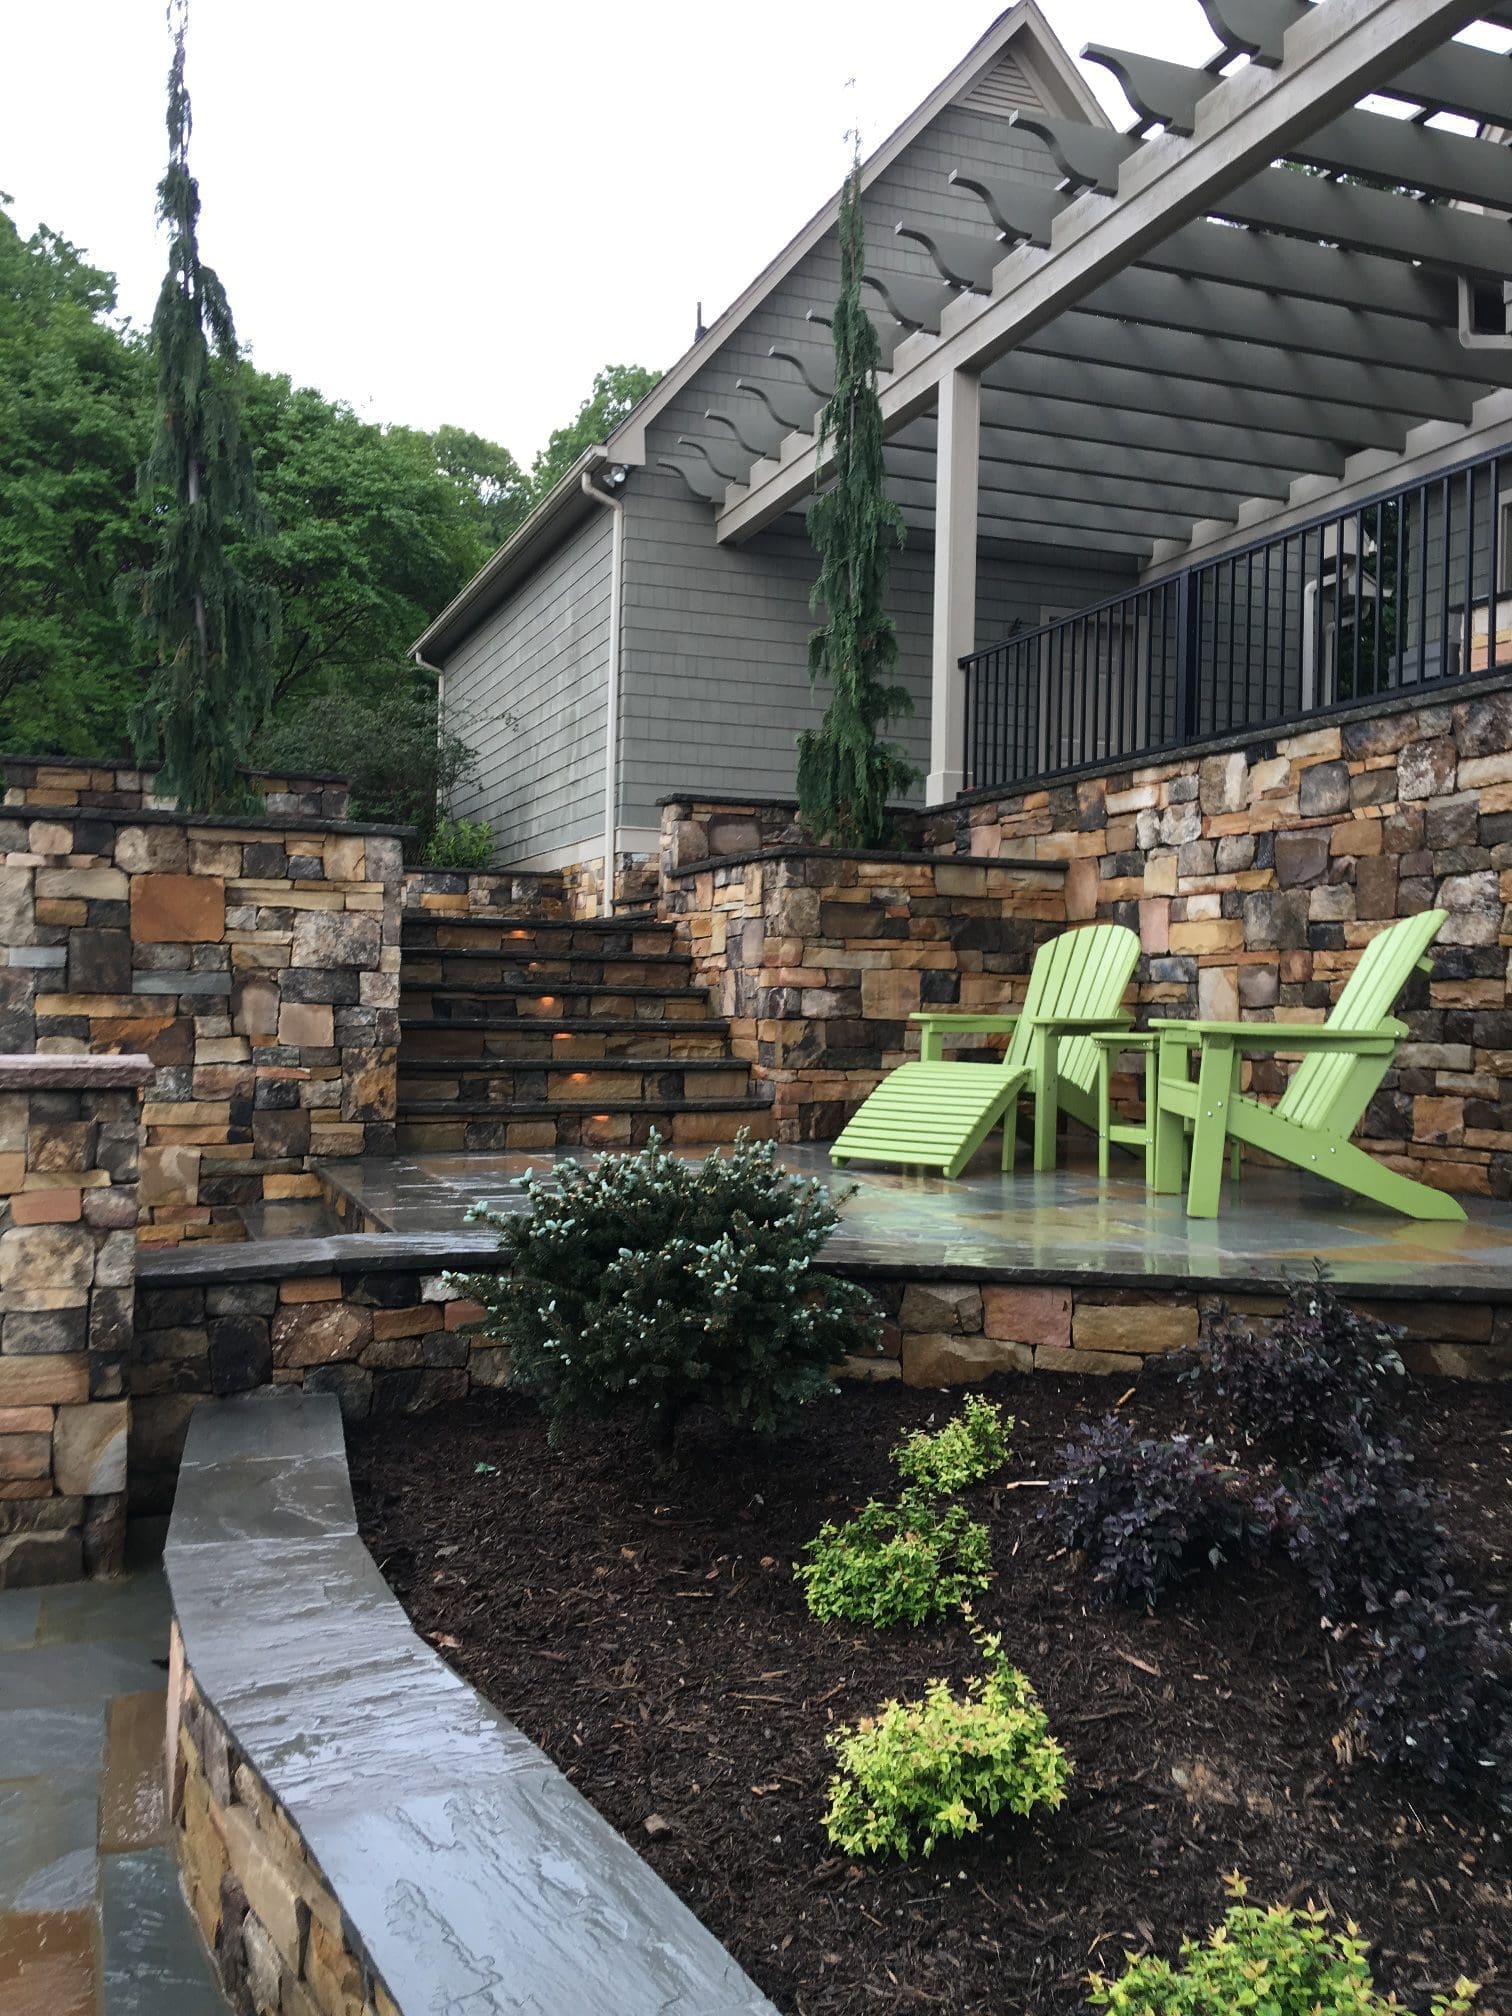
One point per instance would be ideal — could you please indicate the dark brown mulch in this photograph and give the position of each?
(645, 1630)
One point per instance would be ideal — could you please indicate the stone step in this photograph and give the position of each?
(525, 1039)
(426, 1127)
(511, 969)
(594, 938)
(496, 1003)
(502, 1082)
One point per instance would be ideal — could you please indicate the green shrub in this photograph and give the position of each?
(903, 1563)
(1276, 1962)
(963, 1452)
(920, 1772)
(463, 844)
(651, 1283)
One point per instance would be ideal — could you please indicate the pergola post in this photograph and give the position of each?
(958, 456)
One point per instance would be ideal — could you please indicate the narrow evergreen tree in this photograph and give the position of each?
(211, 629)
(845, 773)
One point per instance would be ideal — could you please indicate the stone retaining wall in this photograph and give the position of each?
(120, 787)
(817, 958)
(360, 1833)
(68, 1213)
(1255, 874)
(376, 1321)
(257, 966)
(449, 892)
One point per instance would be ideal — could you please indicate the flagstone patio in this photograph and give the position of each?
(1275, 1227)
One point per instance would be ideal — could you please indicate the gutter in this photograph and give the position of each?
(612, 696)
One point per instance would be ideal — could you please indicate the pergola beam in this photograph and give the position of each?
(1341, 51)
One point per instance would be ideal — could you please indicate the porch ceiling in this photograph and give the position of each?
(1262, 278)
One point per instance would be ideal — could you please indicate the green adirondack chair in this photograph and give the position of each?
(1343, 1062)
(935, 1114)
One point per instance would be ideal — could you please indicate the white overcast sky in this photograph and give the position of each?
(457, 211)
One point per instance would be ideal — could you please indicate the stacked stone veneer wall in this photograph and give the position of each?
(388, 1331)
(264, 1909)
(383, 1339)
(1255, 874)
(257, 966)
(818, 957)
(448, 892)
(118, 787)
(68, 1213)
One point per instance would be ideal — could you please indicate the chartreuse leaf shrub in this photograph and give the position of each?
(903, 1563)
(650, 1283)
(1271, 1962)
(920, 1772)
(965, 1451)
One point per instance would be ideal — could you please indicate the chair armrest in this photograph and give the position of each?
(971, 1025)
(1281, 1036)
(1081, 1025)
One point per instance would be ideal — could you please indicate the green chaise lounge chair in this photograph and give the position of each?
(935, 1114)
(1343, 1063)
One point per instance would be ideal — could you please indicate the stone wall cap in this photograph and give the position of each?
(910, 859)
(152, 815)
(61, 1073)
(741, 801)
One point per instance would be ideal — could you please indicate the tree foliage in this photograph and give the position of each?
(846, 773)
(211, 627)
(617, 390)
(74, 406)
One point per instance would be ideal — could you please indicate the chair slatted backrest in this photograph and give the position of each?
(1082, 972)
(1321, 1082)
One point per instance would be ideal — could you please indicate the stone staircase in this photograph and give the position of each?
(526, 1033)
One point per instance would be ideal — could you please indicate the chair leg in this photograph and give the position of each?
(1236, 1146)
(1169, 1149)
(1210, 1130)
(1104, 1110)
(1010, 1137)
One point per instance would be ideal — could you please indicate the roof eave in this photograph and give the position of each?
(548, 520)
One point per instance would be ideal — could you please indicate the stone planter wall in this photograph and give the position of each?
(818, 957)
(699, 827)
(1255, 874)
(360, 1833)
(68, 1212)
(257, 966)
(119, 787)
(447, 892)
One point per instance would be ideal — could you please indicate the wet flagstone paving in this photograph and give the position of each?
(92, 1922)
(1274, 1224)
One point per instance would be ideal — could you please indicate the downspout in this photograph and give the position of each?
(611, 712)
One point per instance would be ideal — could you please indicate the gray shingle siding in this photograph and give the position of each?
(527, 691)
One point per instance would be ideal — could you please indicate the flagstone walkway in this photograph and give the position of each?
(92, 1921)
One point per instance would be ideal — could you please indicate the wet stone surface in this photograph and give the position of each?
(468, 1872)
(92, 1919)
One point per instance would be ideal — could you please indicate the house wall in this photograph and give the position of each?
(715, 679)
(527, 692)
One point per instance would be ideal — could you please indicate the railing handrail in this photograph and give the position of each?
(1236, 553)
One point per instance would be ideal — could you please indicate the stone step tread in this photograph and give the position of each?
(591, 955)
(572, 1025)
(545, 1109)
(453, 989)
(594, 927)
(484, 1067)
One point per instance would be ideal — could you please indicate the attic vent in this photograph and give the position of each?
(1003, 89)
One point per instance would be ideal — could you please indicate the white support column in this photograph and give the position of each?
(956, 479)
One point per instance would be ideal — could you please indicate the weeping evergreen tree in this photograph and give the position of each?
(846, 773)
(211, 630)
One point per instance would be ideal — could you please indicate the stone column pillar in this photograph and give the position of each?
(957, 459)
(70, 1129)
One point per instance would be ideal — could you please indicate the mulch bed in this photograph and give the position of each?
(644, 1629)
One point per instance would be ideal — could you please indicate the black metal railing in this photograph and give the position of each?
(1411, 588)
